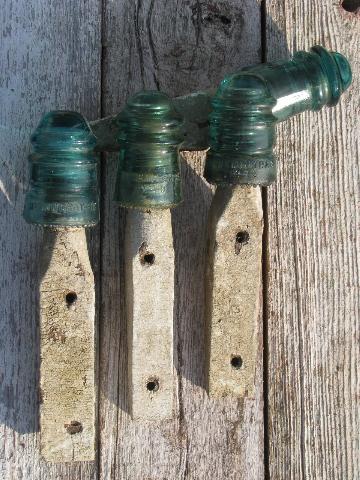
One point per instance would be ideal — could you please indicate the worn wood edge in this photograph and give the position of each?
(67, 348)
(233, 290)
(149, 271)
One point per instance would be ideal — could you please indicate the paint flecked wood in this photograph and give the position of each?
(313, 265)
(177, 47)
(50, 58)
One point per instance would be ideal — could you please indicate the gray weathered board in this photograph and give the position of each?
(90, 56)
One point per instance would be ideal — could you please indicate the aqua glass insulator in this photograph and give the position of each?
(249, 103)
(63, 189)
(148, 170)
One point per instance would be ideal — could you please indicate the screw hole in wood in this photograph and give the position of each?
(352, 6)
(152, 385)
(70, 299)
(147, 259)
(236, 362)
(241, 238)
(73, 427)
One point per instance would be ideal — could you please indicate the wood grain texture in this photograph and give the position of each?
(67, 348)
(149, 273)
(50, 58)
(177, 47)
(234, 290)
(313, 262)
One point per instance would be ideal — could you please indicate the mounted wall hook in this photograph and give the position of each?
(63, 198)
(148, 184)
(246, 108)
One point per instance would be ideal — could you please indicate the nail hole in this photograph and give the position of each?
(73, 427)
(225, 20)
(241, 238)
(70, 298)
(352, 6)
(236, 362)
(152, 385)
(148, 259)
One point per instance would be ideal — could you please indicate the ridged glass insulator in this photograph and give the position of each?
(150, 135)
(249, 103)
(63, 187)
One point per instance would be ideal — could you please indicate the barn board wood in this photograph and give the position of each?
(313, 264)
(50, 54)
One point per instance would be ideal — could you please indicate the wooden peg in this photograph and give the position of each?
(149, 267)
(67, 313)
(234, 289)
(148, 184)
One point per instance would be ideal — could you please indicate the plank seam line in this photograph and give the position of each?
(301, 359)
(265, 283)
(98, 290)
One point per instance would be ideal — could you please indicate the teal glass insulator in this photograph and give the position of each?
(248, 104)
(148, 170)
(63, 187)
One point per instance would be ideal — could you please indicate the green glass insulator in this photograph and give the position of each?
(150, 136)
(248, 105)
(64, 173)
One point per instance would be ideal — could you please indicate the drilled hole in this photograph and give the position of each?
(70, 298)
(225, 20)
(152, 385)
(73, 427)
(242, 238)
(148, 259)
(352, 6)
(236, 362)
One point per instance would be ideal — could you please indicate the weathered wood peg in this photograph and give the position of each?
(63, 198)
(246, 108)
(148, 184)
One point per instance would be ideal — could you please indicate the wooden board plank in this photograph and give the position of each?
(149, 273)
(67, 349)
(50, 58)
(313, 309)
(177, 47)
(233, 292)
